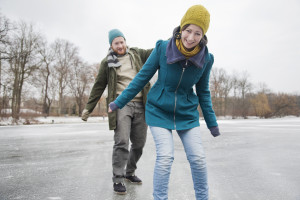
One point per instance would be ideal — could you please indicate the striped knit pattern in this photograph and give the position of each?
(112, 59)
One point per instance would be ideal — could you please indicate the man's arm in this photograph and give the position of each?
(97, 90)
(144, 53)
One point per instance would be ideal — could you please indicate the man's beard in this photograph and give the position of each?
(120, 52)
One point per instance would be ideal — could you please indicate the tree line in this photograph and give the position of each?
(49, 78)
(53, 79)
(234, 95)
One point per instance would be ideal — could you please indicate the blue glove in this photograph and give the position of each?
(113, 106)
(214, 131)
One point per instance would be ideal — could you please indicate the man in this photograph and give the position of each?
(116, 71)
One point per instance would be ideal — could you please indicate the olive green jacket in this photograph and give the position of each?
(107, 76)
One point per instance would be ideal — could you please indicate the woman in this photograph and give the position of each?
(182, 63)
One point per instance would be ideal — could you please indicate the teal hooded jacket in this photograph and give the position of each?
(181, 86)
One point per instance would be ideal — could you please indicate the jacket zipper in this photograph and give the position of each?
(176, 92)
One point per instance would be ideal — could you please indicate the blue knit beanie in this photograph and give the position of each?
(112, 34)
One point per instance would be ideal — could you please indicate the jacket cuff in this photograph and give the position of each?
(113, 106)
(214, 131)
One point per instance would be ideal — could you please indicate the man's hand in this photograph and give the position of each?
(85, 115)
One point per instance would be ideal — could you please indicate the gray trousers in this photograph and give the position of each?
(130, 125)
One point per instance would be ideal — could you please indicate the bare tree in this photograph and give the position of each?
(245, 87)
(47, 58)
(263, 88)
(5, 28)
(79, 80)
(215, 87)
(226, 87)
(65, 53)
(235, 86)
(22, 60)
(221, 85)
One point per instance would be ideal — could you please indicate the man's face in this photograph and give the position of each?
(119, 45)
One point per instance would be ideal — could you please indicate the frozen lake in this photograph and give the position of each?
(252, 160)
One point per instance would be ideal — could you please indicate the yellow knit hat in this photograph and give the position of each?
(197, 15)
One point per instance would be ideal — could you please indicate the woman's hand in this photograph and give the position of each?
(112, 107)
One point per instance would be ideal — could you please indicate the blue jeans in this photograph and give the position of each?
(192, 143)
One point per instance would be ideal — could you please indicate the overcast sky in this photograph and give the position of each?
(261, 37)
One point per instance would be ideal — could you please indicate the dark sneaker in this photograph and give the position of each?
(133, 179)
(119, 188)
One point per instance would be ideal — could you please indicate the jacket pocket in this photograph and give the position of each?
(192, 98)
(160, 95)
(155, 94)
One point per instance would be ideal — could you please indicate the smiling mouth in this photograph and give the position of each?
(189, 43)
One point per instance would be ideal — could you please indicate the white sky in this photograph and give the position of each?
(261, 37)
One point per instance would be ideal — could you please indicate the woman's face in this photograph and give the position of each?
(191, 36)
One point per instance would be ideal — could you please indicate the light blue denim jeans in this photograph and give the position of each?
(192, 143)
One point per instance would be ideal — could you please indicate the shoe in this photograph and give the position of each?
(119, 188)
(133, 179)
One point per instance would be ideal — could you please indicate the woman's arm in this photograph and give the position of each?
(203, 93)
(141, 79)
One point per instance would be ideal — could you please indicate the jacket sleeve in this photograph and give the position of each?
(98, 87)
(142, 78)
(203, 93)
(144, 54)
